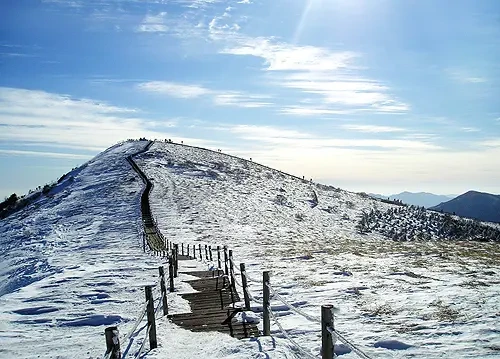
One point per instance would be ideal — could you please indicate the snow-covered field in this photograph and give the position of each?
(72, 264)
(439, 298)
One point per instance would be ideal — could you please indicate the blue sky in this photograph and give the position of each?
(376, 96)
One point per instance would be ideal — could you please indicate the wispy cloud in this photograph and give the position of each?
(333, 76)
(44, 154)
(288, 138)
(174, 89)
(219, 98)
(372, 128)
(153, 23)
(39, 117)
(463, 75)
(470, 129)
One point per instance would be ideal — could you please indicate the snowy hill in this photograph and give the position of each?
(72, 262)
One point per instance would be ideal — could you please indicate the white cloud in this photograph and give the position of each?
(332, 76)
(372, 128)
(219, 98)
(470, 129)
(174, 89)
(153, 23)
(241, 100)
(39, 117)
(287, 138)
(44, 154)
(310, 111)
(463, 75)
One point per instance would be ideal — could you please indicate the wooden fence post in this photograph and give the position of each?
(174, 262)
(163, 290)
(171, 273)
(182, 248)
(210, 252)
(151, 317)
(194, 251)
(113, 342)
(188, 250)
(266, 303)
(206, 252)
(201, 256)
(219, 264)
(232, 283)
(245, 286)
(231, 268)
(225, 261)
(327, 348)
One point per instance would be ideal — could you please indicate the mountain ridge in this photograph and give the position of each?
(423, 199)
(473, 204)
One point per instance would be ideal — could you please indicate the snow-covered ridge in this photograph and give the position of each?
(79, 264)
(71, 262)
(417, 292)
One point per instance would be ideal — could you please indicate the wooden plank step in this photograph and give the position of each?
(206, 313)
(237, 330)
(212, 297)
(205, 274)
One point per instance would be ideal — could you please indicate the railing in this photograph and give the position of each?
(148, 310)
(328, 332)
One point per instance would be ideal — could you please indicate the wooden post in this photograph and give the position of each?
(194, 251)
(201, 256)
(113, 342)
(188, 250)
(174, 263)
(151, 317)
(231, 269)
(210, 252)
(219, 264)
(225, 261)
(233, 281)
(171, 273)
(182, 248)
(266, 303)
(245, 285)
(327, 348)
(163, 290)
(206, 252)
(144, 242)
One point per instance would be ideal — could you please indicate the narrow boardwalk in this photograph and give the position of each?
(212, 305)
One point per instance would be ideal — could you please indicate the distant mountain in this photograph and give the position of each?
(421, 199)
(473, 204)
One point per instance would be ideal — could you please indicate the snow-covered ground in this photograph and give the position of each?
(72, 264)
(438, 297)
